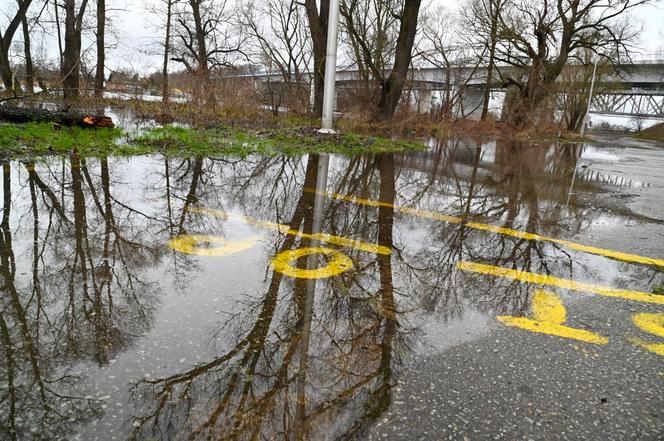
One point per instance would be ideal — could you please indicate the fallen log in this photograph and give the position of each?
(24, 115)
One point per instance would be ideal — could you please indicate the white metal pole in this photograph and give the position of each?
(590, 100)
(330, 69)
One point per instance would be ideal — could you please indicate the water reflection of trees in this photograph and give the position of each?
(264, 385)
(76, 294)
(296, 359)
(363, 318)
(518, 187)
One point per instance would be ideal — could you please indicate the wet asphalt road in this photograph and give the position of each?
(515, 385)
(511, 384)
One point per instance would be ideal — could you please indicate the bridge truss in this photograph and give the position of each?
(633, 103)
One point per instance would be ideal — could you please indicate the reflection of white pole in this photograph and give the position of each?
(590, 100)
(571, 187)
(330, 69)
(316, 226)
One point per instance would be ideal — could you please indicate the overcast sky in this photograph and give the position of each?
(138, 35)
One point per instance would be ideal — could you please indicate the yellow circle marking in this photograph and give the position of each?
(284, 263)
(218, 246)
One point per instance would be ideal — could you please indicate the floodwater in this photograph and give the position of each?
(301, 297)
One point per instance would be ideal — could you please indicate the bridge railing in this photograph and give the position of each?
(645, 59)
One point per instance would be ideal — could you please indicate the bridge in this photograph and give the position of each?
(634, 89)
(632, 103)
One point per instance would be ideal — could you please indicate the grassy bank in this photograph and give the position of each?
(45, 138)
(289, 141)
(36, 139)
(654, 133)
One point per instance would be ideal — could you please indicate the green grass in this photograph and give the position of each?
(658, 290)
(43, 138)
(288, 141)
(36, 139)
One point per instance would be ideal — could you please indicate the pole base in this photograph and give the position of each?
(328, 132)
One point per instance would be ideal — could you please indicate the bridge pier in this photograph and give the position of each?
(470, 106)
(423, 101)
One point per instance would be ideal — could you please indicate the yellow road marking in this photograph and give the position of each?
(626, 257)
(540, 279)
(547, 307)
(549, 318)
(191, 244)
(285, 229)
(283, 263)
(653, 324)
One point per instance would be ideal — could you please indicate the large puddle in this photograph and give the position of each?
(267, 298)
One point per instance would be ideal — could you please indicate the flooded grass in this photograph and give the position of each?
(36, 139)
(45, 138)
(241, 142)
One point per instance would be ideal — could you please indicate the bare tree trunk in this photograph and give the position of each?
(56, 7)
(202, 70)
(29, 66)
(489, 83)
(5, 42)
(6, 71)
(72, 55)
(523, 110)
(495, 8)
(576, 115)
(318, 28)
(101, 49)
(167, 46)
(393, 86)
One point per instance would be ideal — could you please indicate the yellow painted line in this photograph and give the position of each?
(656, 348)
(191, 244)
(405, 210)
(653, 324)
(285, 229)
(547, 307)
(540, 279)
(284, 263)
(626, 257)
(550, 316)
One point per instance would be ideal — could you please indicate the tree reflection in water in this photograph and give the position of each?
(84, 299)
(296, 359)
(360, 320)
(255, 388)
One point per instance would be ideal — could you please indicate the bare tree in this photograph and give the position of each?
(101, 49)
(539, 39)
(574, 90)
(318, 29)
(29, 67)
(167, 46)
(163, 10)
(6, 41)
(280, 37)
(58, 28)
(392, 87)
(370, 33)
(373, 43)
(72, 54)
(207, 39)
(481, 20)
(441, 48)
